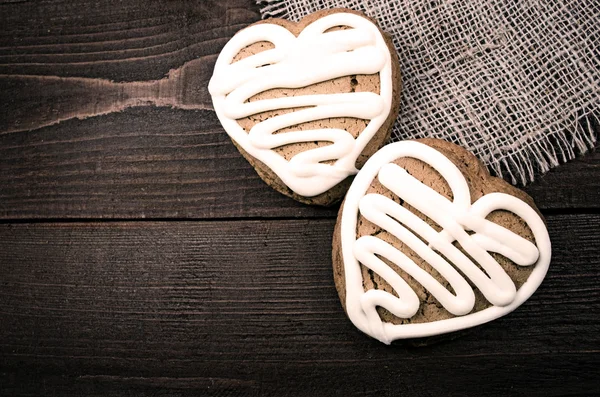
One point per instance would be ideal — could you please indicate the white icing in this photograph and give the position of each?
(312, 57)
(455, 217)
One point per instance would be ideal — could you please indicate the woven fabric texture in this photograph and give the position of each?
(515, 82)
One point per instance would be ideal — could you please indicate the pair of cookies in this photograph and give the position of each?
(426, 241)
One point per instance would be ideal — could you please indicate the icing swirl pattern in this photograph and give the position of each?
(314, 56)
(456, 218)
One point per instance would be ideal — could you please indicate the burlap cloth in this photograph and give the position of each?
(515, 82)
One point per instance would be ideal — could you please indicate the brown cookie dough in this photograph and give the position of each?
(345, 84)
(480, 183)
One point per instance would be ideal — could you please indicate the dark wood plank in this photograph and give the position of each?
(249, 307)
(142, 163)
(165, 158)
(105, 114)
(136, 40)
(149, 162)
(575, 184)
(62, 60)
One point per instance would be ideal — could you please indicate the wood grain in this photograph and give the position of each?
(69, 70)
(249, 307)
(145, 162)
(142, 163)
(575, 184)
(120, 41)
(39, 101)
(149, 162)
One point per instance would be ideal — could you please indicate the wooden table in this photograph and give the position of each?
(141, 255)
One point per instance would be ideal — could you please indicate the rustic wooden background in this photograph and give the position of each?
(141, 255)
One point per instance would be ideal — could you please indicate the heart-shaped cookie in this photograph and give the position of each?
(308, 103)
(427, 243)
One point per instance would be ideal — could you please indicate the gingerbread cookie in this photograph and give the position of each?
(427, 243)
(308, 103)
